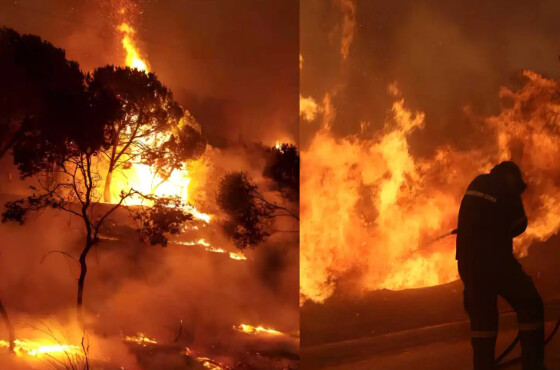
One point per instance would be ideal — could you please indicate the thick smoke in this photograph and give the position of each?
(445, 57)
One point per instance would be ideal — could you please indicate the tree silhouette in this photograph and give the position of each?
(153, 128)
(37, 85)
(282, 167)
(184, 144)
(62, 150)
(250, 215)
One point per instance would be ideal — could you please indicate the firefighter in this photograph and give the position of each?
(490, 216)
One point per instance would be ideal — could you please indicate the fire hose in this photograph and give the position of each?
(498, 361)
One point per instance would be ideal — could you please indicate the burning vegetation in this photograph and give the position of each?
(136, 171)
(388, 225)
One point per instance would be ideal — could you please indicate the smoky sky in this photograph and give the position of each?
(448, 58)
(233, 64)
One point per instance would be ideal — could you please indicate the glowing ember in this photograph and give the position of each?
(237, 256)
(207, 246)
(206, 362)
(140, 339)
(249, 329)
(41, 348)
(133, 59)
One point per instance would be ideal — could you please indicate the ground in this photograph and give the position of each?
(419, 328)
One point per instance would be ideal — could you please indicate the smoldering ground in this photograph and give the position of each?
(241, 86)
(180, 295)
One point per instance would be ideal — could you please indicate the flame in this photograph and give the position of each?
(206, 362)
(308, 108)
(133, 59)
(139, 176)
(140, 339)
(249, 329)
(390, 208)
(41, 348)
(207, 246)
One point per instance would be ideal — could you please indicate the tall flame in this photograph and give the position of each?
(42, 348)
(133, 59)
(372, 213)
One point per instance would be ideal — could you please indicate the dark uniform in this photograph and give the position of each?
(491, 215)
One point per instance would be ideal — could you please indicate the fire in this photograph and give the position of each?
(239, 256)
(133, 59)
(249, 329)
(140, 339)
(41, 348)
(308, 108)
(389, 207)
(141, 177)
(206, 362)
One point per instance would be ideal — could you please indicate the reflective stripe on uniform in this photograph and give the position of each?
(484, 333)
(475, 193)
(531, 326)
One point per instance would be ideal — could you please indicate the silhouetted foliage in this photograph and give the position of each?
(166, 216)
(153, 128)
(185, 143)
(282, 166)
(249, 214)
(42, 97)
(61, 130)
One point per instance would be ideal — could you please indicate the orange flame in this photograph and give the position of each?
(41, 348)
(140, 176)
(249, 329)
(239, 256)
(206, 362)
(140, 339)
(133, 59)
(373, 210)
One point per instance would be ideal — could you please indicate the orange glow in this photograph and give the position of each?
(141, 177)
(133, 58)
(207, 246)
(140, 339)
(206, 362)
(249, 329)
(42, 348)
(368, 206)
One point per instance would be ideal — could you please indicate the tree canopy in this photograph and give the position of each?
(153, 128)
(47, 109)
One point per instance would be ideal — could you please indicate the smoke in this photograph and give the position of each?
(179, 292)
(241, 84)
(348, 9)
(428, 97)
(198, 49)
(445, 58)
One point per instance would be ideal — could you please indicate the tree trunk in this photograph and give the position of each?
(81, 281)
(11, 333)
(107, 190)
